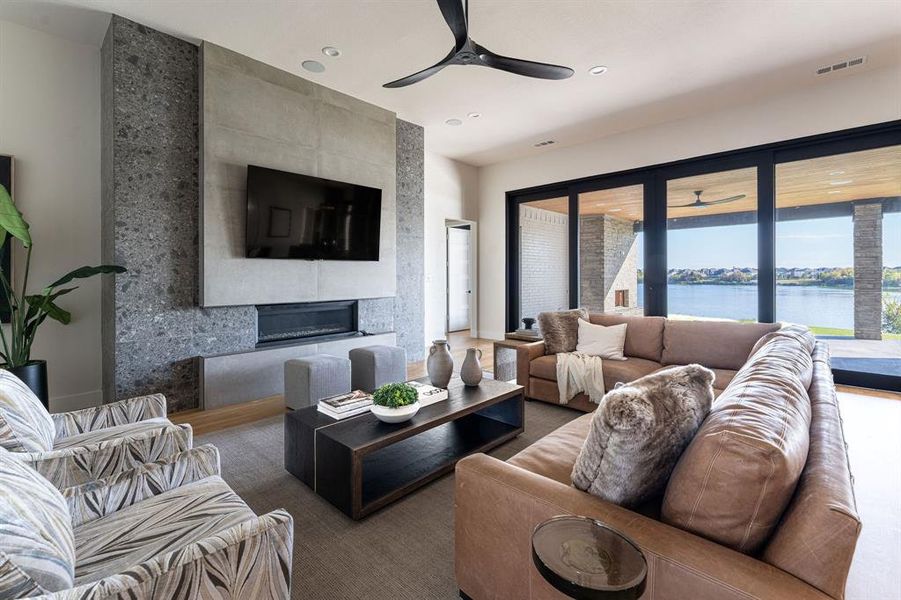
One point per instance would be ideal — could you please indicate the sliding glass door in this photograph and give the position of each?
(544, 249)
(805, 231)
(838, 254)
(711, 230)
(611, 249)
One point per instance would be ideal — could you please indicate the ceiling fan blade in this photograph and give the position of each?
(453, 13)
(522, 67)
(724, 200)
(689, 205)
(420, 75)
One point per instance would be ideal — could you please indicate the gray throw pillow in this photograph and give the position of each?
(560, 329)
(638, 433)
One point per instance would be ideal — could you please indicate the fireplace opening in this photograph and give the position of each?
(290, 323)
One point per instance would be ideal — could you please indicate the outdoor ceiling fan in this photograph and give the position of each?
(698, 203)
(467, 52)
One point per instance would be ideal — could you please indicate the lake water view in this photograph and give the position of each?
(809, 305)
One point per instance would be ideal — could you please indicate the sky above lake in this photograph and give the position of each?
(812, 243)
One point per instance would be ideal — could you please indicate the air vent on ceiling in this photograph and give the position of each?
(839, 66)
(544, 143)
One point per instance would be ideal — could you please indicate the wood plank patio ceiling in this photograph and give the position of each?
(841, 178)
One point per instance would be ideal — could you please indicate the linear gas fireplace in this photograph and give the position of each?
(310, 321)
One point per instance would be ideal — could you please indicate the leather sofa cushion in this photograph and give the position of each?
(816, 539)
(554, 455)
(615, 371)
(738, 475)
(644, 335)
(714, 344)
(721, 378)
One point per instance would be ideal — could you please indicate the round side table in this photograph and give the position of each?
(586, 560)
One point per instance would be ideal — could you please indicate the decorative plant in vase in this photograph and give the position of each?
(28, 311)
(395, 402)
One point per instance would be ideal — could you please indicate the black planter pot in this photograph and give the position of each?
(34, 375)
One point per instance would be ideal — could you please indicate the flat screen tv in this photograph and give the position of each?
(298, 216)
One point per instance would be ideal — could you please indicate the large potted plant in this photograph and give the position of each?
(28, 311)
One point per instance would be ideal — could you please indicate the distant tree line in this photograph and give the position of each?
(820, 276)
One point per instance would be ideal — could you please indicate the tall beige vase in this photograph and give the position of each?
(440, 364)
(471, 371)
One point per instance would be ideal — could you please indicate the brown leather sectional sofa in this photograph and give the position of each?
(722, 531)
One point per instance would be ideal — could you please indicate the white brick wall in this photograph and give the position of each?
(543, 248)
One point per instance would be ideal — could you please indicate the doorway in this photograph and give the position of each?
(461, 277)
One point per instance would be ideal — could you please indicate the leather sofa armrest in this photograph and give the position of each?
(525, 354)
(497, 505)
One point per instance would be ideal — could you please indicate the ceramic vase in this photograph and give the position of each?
(471, 372)
(440, 364)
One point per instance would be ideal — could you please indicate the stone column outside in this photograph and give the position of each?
(868, 271)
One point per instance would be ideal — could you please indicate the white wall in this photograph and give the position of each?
(50, 122)
(544, 278)
(451, 192)
(849, 101)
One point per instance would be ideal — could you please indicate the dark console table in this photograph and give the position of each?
(361, 464)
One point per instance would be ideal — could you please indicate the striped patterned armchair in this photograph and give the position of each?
(75, 447)
(170, 529)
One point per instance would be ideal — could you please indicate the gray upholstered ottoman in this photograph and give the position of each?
(374, 366)
(312, 378)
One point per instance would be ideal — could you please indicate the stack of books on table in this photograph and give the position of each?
(346, 405)
(428, 394)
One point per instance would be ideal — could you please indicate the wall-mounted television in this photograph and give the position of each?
(302, 217)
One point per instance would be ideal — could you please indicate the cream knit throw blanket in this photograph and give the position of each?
(577, 372)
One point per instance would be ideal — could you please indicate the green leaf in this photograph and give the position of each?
(44, 303)
(11, 219)
(84, 272)
(57, 314)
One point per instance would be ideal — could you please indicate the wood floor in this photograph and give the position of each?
(208, 421)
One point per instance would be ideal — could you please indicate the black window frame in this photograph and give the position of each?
(764, 157)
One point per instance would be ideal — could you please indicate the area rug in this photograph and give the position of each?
(403, 552)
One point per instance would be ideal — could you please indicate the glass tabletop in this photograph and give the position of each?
(584, 558)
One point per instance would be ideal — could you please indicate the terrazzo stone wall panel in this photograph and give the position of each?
(253, 113)
(153, 327)
(409, 304)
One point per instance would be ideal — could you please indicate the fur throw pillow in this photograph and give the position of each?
(638, 433)
(561, 329)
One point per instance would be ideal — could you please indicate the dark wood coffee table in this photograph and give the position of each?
(361, 464)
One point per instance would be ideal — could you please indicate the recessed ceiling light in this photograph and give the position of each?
(313, 66)
(598, 70)
(615, 210)
(841, 182)
(474, 115)
(454, 122)
(836, 192)
(331, 51)
(834, 173)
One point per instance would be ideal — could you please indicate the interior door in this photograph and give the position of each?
(459, 290)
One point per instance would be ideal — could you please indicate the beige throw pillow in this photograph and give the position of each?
(602, 341)
(638, 433)
(561, 329)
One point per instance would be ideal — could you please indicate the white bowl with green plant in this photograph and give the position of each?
(395, 402)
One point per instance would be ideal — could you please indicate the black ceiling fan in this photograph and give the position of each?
(698, 203)
(467, 52)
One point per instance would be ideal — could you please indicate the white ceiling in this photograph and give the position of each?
(668, 59)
